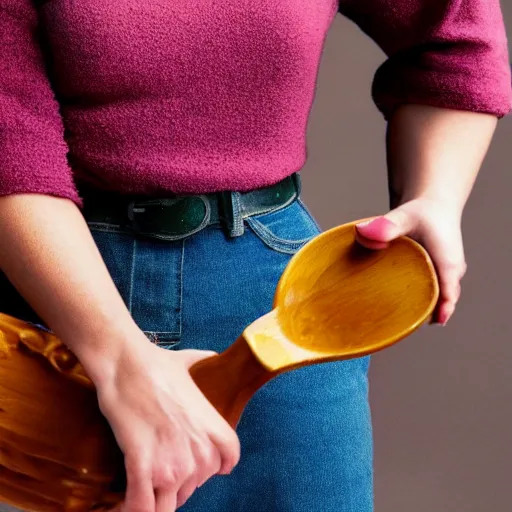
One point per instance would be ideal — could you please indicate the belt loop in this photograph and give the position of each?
(237, 224)
(232, 213)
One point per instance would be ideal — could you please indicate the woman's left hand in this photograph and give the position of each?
(437, 227)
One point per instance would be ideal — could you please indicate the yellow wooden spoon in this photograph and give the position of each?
(335, 300)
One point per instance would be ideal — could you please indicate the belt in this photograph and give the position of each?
(180, 216)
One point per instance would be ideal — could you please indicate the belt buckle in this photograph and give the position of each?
(169, 219)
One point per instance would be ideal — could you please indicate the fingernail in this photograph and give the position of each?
(382, 222)
(385, 220)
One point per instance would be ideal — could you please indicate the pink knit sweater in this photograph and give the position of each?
(194, 97)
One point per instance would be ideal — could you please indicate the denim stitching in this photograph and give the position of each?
(132, 274)
(277, 243)
(274, 242)
(238, 221)
(312, 220)
(271, 235)
(154, 337)
(180, 289)
(174, 336)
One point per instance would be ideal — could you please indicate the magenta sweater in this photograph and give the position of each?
(185, 96)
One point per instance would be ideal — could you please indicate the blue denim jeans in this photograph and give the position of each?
(306, 435)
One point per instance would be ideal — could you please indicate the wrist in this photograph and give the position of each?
(102, 352)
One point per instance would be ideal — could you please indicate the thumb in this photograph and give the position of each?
(192, 356)
(376, 233)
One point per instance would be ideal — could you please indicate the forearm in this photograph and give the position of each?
(436, 153)
(49, 255)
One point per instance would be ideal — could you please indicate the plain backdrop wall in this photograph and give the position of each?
(442, 399)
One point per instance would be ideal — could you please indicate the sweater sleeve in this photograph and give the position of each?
(443, 53)
(33, 153)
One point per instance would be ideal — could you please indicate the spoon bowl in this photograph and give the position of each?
(339, 300)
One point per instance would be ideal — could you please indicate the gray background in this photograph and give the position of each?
(442, 399)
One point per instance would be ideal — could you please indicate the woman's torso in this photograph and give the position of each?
(185, 96)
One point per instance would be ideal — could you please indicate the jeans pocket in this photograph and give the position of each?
(148, 275)
(285, 230)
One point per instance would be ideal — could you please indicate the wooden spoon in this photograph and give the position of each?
(335, 300)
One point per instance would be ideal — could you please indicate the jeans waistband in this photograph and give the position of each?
(179, 216)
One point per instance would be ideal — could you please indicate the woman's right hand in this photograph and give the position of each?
(172, 438)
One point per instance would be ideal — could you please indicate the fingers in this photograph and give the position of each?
(173, 481)
(187, 489)
(369, 243)
(167, 480)
(173, 438)
(229, 451)
(447, 252)
(208, 463)
(140, 496)
(174, 488)
(166, 500)
(378, 232)
(438, 231)
(450, 275)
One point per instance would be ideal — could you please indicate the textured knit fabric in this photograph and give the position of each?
(191, 97)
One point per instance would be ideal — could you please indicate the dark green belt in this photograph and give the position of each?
(177, 217)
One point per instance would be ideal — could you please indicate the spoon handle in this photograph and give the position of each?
(230, 379)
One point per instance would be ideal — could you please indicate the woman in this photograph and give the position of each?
(203, 109)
